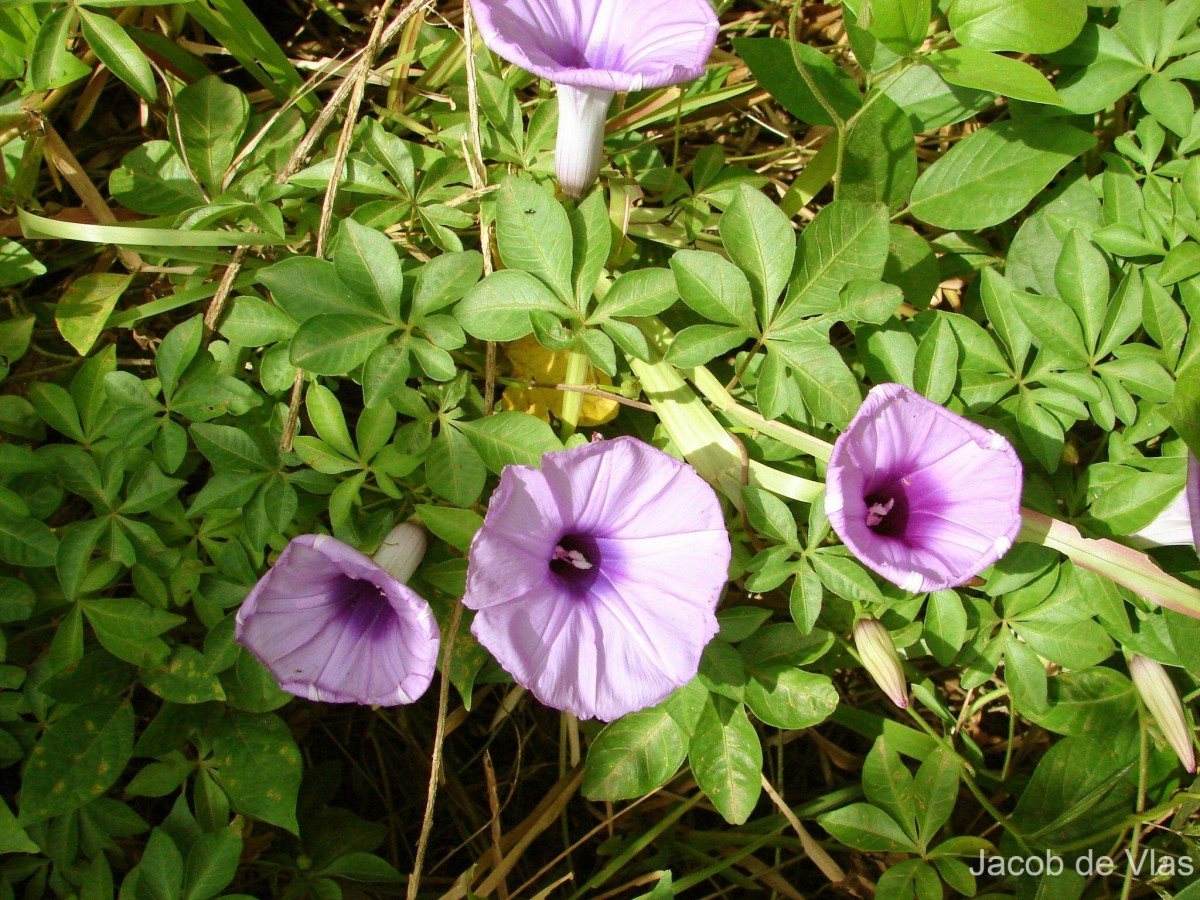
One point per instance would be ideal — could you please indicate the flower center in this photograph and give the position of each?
(364, 606)
(887, 510)
(576, 560)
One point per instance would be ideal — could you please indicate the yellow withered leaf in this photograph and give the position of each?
(531, 361)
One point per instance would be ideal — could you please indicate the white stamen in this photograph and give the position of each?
(574, 557)
(877, 511)
(580, 148)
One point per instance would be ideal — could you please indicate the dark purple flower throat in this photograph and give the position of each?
(576, 561)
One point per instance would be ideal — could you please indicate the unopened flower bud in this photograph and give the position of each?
(402, 551)
(880, 659)
(1158, 693)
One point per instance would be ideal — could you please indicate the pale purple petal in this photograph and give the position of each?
(331, 625)
(612, 45)
(613, 612)
(921, 495)
(616, 488)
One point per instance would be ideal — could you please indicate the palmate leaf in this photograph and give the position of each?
(847, 240)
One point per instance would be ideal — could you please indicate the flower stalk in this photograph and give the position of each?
(1127, 567)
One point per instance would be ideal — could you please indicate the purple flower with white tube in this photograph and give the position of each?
(333, 624)
(591, 49)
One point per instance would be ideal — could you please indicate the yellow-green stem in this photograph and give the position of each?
(572, 401)
(1127, 567)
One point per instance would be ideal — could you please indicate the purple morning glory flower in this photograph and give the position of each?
(591, 49)
(1179, 523)
(596, 578)
(921, 495)
(331, 624)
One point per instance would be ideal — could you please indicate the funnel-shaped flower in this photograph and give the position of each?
(1162, 700)
(596, 578)
(921, 495)
(592, 48)
(331, 624)
(1179, 523)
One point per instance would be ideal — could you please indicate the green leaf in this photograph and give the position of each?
(697, 344)
(255, 323)
(1183, 412)
(1182, 262)
(945, 625)
(1081, 276)
(866, 827)
(936, 792)
(788, 697)
(534, 235)
(769, 515)
(987, 71)
(366, 262)
(994, 173)
(208, 122)
(153, 179)
(51, 64)
(900, 25)
(1053, 326)
(85, 306)
(453, 468)
(642, 292)
(498, 308)
(445, 280)
(454, 526)
(129, 629)
(212, 863)
(1022, 26)
(889, 785)
(13, 838)
(229, 448)
(27, 542)
(117, 50)
(591, 243)
(1075, 645)
(325, 413)
(770, 61)
(880, 164)
(935, 368)
(759, 239)
(258, 766)
(806, 598)
(304, 286)
(726, 758)
(715, 288)
(185, 677)
(510, 439)
(847, 241)
(333, 345)
(1169, 102)
(829, 388)
(1025, 675)
(846, 578)
(78, 758)
(634, 755)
